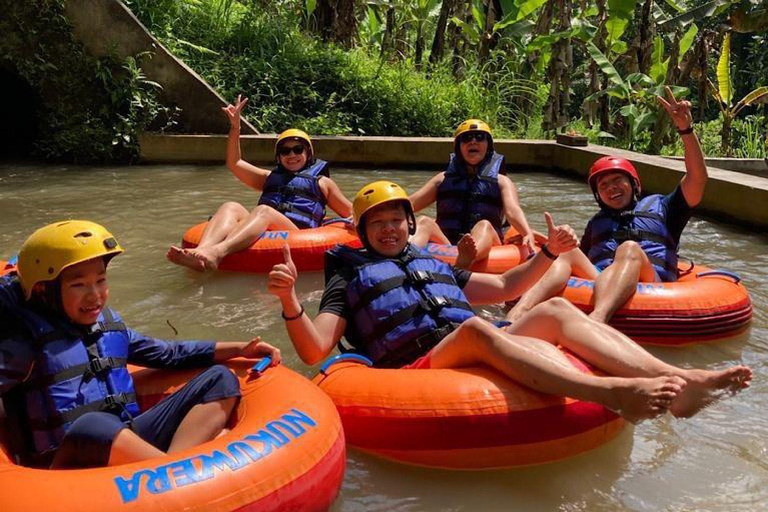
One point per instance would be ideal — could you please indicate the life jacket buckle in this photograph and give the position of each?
(437, 302)
(112, 402)
(420, 276)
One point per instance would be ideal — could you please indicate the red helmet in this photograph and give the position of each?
(609, 164)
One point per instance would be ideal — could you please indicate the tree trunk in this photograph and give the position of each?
(646, 32)
(389, 31)
(419, 44)
(487, 37)
(336, 21)
(725, 135)
(401, 41)
(438, 43)
(591, 107)
(458, 41)
(558, 74)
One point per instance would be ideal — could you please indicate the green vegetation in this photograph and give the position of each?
(529, 67)
(414, 67)
(89, 110)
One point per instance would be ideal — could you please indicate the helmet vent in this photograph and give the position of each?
(84, 234)
(50, 270)
(368, 192)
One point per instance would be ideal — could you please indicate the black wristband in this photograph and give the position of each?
(686, 131)
(547, 252)
(289, 318)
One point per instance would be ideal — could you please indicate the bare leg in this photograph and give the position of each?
(248, 231)
(128, 447)
(553, 282)
(559, 322)
(528, 362)
(427, 231)
(484, 237)
(618, 283)
(202, 423)
(223, 222)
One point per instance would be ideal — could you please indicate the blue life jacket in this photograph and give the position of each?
(463, 199)
(74, 372)
(400, 307)
(646, 225)
(297, 195)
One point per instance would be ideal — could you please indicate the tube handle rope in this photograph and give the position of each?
(725, 273)
(357, 358)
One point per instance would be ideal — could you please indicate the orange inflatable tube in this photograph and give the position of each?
(6, 268)
(308, 248)
(499, 260)
(285, 451)
(471, 418)
(703, 305)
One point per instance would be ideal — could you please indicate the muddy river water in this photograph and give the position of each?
(715, 461)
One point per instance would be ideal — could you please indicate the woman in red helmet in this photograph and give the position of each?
(631, 239)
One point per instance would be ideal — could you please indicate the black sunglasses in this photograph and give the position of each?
(296, 150)
(470, 136)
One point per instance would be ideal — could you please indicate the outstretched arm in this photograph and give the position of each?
(492, 289)
(253, 349)
(335, 197)
(249, 174)
(695, 178)
(427, 194)
(514, 213)
(313, 340)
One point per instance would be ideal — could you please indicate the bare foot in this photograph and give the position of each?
(645, 398)
(184, 257)
(705, 387)
(467, 252)
(208, 258)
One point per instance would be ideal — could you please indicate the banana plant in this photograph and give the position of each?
(723, 93)
(636, 92)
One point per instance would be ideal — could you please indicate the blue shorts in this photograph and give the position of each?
(88, 441)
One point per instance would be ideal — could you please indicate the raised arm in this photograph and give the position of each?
(249, 174)
(514, 213)
(335, 197)
(313, 340)
(427, 194)
(492, 289)
(695, 178)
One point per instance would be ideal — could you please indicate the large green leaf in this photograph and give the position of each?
(703, 11)
(311, 4)
(675, 5)
(619, 14)
(658, 69)
(604, 64)
(687, 40)
(724, 85)
(525, 8)
(759, 95)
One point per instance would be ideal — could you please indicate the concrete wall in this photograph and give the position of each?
(105, 26)
(734, 196)
(754, 166)
(399, 152)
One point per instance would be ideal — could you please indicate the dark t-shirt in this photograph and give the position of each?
(676, 213)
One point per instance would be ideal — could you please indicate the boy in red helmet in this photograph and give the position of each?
(631, 239)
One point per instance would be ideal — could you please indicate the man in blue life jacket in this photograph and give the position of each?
(294, 196)
(63, 355)
(631, 239)
(474, 198)
(403, 308)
